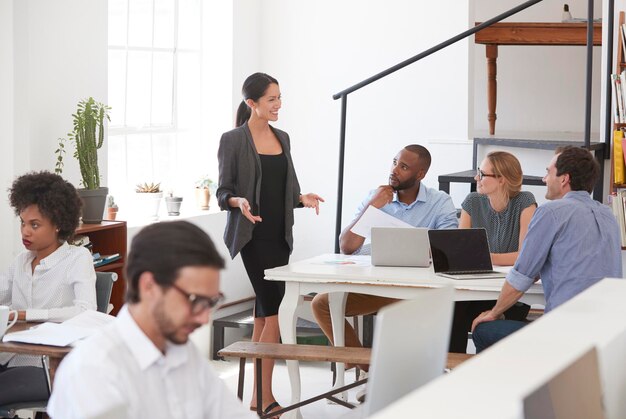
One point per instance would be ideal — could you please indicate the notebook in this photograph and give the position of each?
(407, 357)
(396, 246)
(462, 254)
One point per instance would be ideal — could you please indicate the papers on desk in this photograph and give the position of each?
(373, 217)
(62, 334)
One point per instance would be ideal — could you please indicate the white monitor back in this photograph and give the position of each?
(574, 393)
(410, 347)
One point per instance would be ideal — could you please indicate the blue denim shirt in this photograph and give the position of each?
(431, 209)
(571, 244)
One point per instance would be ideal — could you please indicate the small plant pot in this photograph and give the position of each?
(94, 201)
(148, 205)
(203, 195)
(173, 204)
(111, 214)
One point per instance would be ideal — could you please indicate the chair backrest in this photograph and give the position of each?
(410, 347)
(104, 286)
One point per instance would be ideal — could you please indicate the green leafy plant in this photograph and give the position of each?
(148, 187)
(204, 182)
(88, 119)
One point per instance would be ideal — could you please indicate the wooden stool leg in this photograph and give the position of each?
(242, 373)
(492, 85)
(355, 320)
(259, 386)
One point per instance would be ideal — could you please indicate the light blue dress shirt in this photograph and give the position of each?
(571, 244)
(431, 209)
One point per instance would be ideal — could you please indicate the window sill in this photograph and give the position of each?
(134, 221)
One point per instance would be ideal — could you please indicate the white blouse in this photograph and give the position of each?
(61, 286)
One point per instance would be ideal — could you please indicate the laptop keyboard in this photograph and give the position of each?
(470, 272)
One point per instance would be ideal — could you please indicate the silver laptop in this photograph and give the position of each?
(398, 246)
(407, 357)
(462, 254)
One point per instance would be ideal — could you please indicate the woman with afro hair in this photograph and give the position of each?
(50, 281)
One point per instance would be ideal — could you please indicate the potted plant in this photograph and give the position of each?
(149, 196)
(203, 192)
(111, 208)
(88, 136)
(173, 203)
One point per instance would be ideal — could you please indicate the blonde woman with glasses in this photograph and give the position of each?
(504, 210)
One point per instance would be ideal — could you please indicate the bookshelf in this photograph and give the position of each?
(619, 67)
(109, 237)
(615, 186)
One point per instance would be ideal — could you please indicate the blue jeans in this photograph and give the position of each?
(488, 333)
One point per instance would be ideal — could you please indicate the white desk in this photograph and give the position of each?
(494, 384)
(327, 273)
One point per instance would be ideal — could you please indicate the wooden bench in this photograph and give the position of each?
(245, 320)
(312, 353)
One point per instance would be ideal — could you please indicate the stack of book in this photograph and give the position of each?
(618, 203)
(99, 260)
(83, 241)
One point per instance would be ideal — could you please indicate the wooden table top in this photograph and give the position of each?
(538, 33)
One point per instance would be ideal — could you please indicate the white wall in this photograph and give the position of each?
(316, 49)
(7, 221)
(539, 88)
(53, 54)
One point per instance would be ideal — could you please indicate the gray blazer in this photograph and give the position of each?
(240, 175)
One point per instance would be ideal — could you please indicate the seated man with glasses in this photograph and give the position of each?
(142, 364)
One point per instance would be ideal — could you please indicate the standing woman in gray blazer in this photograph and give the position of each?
(259, 189)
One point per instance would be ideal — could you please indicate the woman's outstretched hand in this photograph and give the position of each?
(311, 200)
(244, 207)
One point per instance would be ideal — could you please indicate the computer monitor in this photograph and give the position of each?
(410, 347)
(573, 393)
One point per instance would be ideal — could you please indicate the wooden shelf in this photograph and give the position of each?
(109, 237)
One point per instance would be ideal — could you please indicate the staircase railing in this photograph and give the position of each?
(343, 95)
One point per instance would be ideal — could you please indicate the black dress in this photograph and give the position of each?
(268, 247)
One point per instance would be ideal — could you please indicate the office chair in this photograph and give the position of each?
(104, 286)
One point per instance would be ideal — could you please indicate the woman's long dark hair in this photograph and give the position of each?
(253, 88)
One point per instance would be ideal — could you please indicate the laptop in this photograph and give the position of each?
(398, 246)
(407, 357)
(462, 254)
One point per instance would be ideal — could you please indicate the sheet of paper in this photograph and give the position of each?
(62, 334)
(55, 334)
(373, 217)
(90, 319)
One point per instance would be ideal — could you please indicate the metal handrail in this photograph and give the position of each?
(343, 95)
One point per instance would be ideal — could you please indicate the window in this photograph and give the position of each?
(155, 67)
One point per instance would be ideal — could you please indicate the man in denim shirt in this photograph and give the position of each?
(572, 243)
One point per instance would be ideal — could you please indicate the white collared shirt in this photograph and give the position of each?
(120, 373)
(61, 286)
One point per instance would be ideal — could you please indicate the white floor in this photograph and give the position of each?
(316, 379)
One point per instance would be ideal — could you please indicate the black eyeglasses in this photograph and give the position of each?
(482, 174)
(198, 303)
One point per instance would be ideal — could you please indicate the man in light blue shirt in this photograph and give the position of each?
(406, 198)
(572, 243)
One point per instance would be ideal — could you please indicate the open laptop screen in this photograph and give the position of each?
(456, 250)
